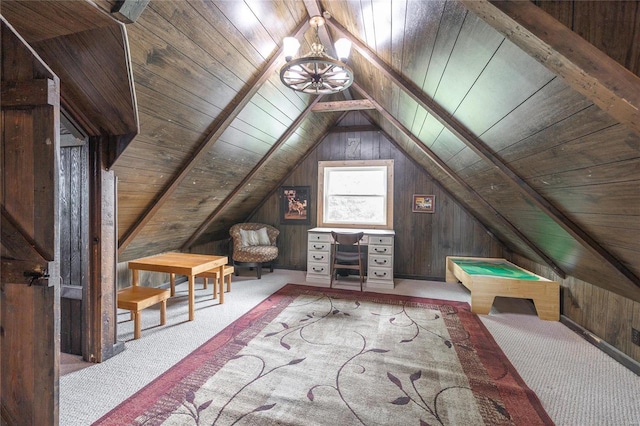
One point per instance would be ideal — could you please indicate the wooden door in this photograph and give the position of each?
(29, 279)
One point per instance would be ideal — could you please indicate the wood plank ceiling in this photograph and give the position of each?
(528, 130)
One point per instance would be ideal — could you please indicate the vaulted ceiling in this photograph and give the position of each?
(533, 129)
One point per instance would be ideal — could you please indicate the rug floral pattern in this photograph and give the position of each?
(310, 356)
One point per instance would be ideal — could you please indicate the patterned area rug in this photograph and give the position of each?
(310, 356)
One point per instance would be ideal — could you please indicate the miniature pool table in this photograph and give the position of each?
(487, 278)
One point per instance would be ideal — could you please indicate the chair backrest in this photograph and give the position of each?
(350, 238)
(234, 232)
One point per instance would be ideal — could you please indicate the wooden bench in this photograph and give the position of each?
(217, 283)
(137, 298)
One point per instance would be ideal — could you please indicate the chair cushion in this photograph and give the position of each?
(256, 254)
(258, 237)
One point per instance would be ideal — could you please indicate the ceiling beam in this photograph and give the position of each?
(128, 11)
(281, 140)
(352, 105)
(355, 128)
(235, 107)
(588, 70)
(457, 179)
(486, 154)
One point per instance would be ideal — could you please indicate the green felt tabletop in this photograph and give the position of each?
(496, 268)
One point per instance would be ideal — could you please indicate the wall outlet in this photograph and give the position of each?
(635, 336)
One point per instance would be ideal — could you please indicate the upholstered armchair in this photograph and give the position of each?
(254, 246)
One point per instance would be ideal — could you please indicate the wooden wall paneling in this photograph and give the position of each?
(561, 10)
(453, 18)
(175, 24)
(423, 259)
(618, 327)
(257, 168)
(101, 99)
(573, 299)
(241, 100)
(610, 145)
(170, 73)
(581, 124)
(45, 20)
(597, 304)
(510, 78)
(585, 68)
(444, 168)
(611, 27)
(450, 149)
(467, 61)
(635, 349)
(550, 105)
(421, 29)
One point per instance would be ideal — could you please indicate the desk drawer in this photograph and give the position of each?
(320, 246)
(318, 268)
(319, 257)
(380, 273)
(385, 241)
(324, 237)
(375, 249)
(382, 261)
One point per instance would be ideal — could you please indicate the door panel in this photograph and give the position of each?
(29, 278)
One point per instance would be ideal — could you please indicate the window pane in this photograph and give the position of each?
(355, 209)
(362, 181)
(358, 192)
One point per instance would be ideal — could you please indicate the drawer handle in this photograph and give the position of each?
(318, 257)
(384, 274)
(317, 269)
(318, 247)
(380, 262)
(380, 250)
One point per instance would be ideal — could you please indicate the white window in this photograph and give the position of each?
(355, 193)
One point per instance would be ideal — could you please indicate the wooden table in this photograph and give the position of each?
(182, 264)
(508, 280)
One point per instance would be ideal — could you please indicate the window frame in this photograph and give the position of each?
(351, 164)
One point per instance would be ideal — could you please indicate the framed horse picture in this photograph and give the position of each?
(295, 205)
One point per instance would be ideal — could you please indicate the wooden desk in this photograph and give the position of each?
(380, 244)
(182, 264)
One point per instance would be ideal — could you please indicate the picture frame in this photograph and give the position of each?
(423, 203)
(295, 205)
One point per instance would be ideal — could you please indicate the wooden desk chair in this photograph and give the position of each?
(343, 259)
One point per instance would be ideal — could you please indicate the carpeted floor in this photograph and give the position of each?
(576, 383)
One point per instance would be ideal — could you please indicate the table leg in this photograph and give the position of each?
(137, 327)
(134, 277)
(221, 281)
(192, 297)
(163, 312)
(172, 280)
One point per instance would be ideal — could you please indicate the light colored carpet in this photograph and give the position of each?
(576, 383)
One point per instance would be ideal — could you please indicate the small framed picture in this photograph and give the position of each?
(295, 205)
(423, 203)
